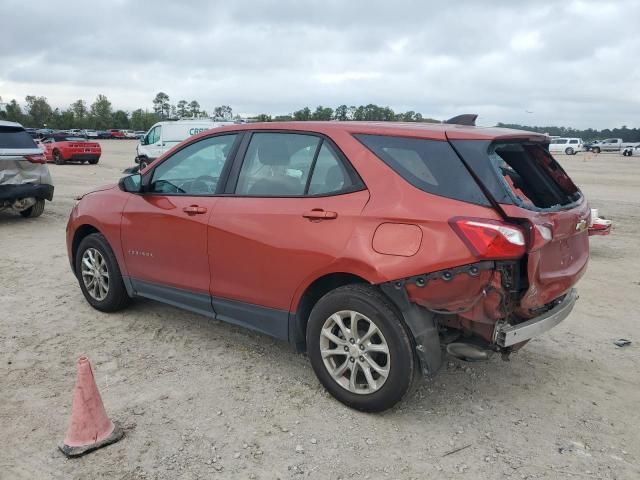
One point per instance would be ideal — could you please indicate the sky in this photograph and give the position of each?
(532, 62)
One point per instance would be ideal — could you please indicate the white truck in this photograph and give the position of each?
(164, 135)
(610, 145)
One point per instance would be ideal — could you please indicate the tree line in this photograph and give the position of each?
(626, 134)
(100, 115)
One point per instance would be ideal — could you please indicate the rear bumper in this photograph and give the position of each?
(26, 190)
(508, 335)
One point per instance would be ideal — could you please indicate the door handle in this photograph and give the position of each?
(319, 214)
(194, 210)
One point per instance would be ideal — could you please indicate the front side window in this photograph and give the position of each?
(277, 164)
(154, 135)
(194, 170)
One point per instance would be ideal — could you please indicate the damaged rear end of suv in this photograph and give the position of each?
(514, 245)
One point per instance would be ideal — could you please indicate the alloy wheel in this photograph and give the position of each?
(354, 352)
(95, 274)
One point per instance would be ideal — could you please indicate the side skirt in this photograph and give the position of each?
(267, 320)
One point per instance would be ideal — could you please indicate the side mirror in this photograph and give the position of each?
(131, 183)
(143, 140)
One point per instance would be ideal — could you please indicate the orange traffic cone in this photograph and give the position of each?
(90, 426)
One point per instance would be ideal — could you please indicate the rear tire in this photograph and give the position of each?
(381, 367)
(569, 151)
(57, 158)
(95, 260)
(34, 210)
(93, 161)
(595, 149)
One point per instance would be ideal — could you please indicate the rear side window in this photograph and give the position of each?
(15, 137)
(430, 165)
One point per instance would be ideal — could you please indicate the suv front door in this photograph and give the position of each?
(164, 229)
(286, 217)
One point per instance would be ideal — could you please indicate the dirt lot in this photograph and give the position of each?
(203, 399)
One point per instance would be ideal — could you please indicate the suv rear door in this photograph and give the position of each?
(288, 214)
(533, 189)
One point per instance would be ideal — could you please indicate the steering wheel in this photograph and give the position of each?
(201, 184)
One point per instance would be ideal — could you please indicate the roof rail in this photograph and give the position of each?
(464, 119)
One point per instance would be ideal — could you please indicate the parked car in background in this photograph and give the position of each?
(25, 181)
(372, 246)
(67, 148)
(568, 146)
(631, 150)
(163, 136)
(140, 134)
(90, 133)
(104, 134)
(129, 134)
(116, 133)
(33, 132)
(610, 145)
(43, 132)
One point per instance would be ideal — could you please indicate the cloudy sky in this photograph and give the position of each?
(541, 62)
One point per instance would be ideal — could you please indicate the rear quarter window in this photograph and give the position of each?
(430, 165)
(15, 137)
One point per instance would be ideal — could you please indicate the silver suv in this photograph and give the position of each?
(25, 181)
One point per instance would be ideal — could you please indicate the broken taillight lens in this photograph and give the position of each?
(35, 158)
(490, 238)
(540, 236)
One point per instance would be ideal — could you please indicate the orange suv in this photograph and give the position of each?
(375, 247)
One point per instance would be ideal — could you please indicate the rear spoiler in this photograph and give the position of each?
(468, 119)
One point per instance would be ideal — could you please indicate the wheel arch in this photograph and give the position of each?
(81, 232)
(312, 293)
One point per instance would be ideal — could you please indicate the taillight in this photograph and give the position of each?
(36, 158)
(490, 238)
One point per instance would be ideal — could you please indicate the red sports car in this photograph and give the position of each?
(65, 148)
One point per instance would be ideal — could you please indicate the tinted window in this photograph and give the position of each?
(194, 170)
(154, 135)
(329, 174)
(15, 137)
(430, 165)
(277, 164)
(573, 141)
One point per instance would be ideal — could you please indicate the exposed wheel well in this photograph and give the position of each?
(310, 297)
(81, 232)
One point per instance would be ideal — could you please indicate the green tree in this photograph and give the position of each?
(120, 119)
(194, 109)
(322, 113)
(303, 114)
(141, 120)
(161, 105)
(38, 110)
(182, 108)
(263, 117)
(101, 113)
(223, 111)
(341, 113)
(80, 112)
(13, 112)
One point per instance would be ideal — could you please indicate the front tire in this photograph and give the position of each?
(360, 349)
(34, 210)
(57, 158)
(595, 150)
(99, 275)
(93, 161)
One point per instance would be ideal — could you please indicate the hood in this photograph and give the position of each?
(97, 189)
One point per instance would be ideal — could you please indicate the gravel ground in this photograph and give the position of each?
(203, 399)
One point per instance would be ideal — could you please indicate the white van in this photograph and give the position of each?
(165, 135)
(569, 146)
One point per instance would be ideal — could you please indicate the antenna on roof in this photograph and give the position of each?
(468, 119)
